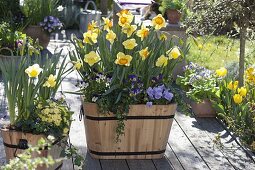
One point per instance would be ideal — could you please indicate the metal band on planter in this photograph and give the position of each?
(126, 153)
(129, 117)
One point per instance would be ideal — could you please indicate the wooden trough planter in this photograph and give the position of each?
(203, 109)
(146, 132)
(15, 142)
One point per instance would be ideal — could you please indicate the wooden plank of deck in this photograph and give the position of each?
(171, 156)
(203, 143)
(141, 165)
(235, 154)
(114, 164)
(184, 150)
(162, 164)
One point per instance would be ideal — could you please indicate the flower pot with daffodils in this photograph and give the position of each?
(236, 105)
(129, 101)
(34, 111)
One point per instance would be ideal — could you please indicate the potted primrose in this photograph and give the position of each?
(129, 102)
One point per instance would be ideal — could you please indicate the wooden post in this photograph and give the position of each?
(104, 7)
(242, 55)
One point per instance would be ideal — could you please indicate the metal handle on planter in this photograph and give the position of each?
(93, 4)
(7, 49)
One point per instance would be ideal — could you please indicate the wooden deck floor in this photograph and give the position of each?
(190, 145)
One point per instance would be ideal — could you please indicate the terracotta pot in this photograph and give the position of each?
(203, 109)
(35, 32)
(11, 141)
(146, 131)
(173, 16)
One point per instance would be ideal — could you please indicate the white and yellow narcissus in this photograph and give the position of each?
(174, 53)
(129, 44)
(110, 36)
(162, 61)
(33, 71)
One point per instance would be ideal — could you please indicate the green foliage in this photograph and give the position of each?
(172, 4)
(198, 82)
(9, 9)
(36, 10)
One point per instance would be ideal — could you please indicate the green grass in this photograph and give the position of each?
(217, 51)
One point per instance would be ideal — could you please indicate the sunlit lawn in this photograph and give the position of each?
(217, 51)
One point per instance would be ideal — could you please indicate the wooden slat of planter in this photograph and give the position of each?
(203, 143)
(232, 150)
(184, 150)
(114, 164)
(141, 165)
(170, 155)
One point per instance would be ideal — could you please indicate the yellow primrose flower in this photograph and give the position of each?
(51, 82)
(56, 111)
(77, 65)
(129, 29)
(221, 72)
(90, 37)
(232, 85)
(143, 32)
(238, 98)
(33, 71)
(162, 61)
(144, 53)
(111, 36)
(130, 44)
(39, 106)
(123, 59)
(200, 46)
(125, 19)
(46, 111)
(92, 25)
(107, 23)
(174, 53)
(66, 130)
(158, 22)
(163, 37)
(250, 75)
(92, 58)
(242, 91)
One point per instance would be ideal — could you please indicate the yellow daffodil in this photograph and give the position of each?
(92, 58)
(125, 19)
(238, 98)
(111, 36)
(90, 37)
(77, 64)
(33, 71)
(129, 29)
(232, 85)
(174, 53)
(144, 53)
(163, 37)
(221, 72)
(158, 22)
(107, 23)
(130, 44)
(162, 61)
(123, 59)
(242, 91)
(124, 11)
(51, 82)
(143, 32)
(92, 25)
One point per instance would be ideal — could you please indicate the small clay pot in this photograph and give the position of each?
(35, 32)
(173, 16)
(203, 109)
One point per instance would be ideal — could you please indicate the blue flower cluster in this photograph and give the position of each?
(159, 92)
(136, 85)
(51, 23)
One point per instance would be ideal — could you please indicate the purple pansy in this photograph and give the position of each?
(167, 95)
(150, 92)
(149, 104)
